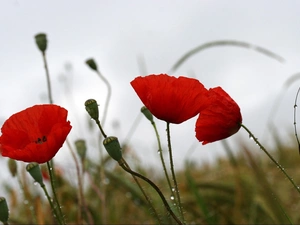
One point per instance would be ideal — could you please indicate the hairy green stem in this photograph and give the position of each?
(48, 79)
(56, 216)
(144, 193)
(173, 172)
(101, 129)
(273, 160)
(108, 96)
(52, 180)
(122, 163)
(161, 156)
(101, 169)
(81, 200)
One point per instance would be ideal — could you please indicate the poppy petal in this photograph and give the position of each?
(220, 119)
(171, 99)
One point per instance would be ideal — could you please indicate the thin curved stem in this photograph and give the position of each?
(101, 169)
(57, 217)
(122, 163)
(101, 129)
(48, 79)
(108, 96)
(51, 173)
(144, 193)
(173, 172)
(273, 160)
(224, 43)
(50, 164)
(295, 123)
(161, 156)
(81, 199)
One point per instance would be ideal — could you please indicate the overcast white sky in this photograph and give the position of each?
(118, 32)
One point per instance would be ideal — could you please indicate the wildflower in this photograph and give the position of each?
(35, 134)
(220, 119)
(171, 99)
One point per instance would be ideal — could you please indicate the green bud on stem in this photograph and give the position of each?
(113, 147)
(147, 113)
(41, 41)
(91, 107)
(92, 64)
(35, 171)
(81, 148)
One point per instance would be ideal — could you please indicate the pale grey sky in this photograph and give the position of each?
(117, 32)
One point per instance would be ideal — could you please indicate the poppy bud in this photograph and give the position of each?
(12, 166)
(41, 41)
(92, 64)
(113, 147)
(35, 171)
(3, 210)
(81, 148)
(91, 107)
(147, 113)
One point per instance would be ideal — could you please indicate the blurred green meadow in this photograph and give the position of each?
(242, 188)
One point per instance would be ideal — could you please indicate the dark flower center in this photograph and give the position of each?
(41, 140)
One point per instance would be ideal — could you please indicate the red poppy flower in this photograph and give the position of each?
(35, 134)
(171, 99)
(220, 119)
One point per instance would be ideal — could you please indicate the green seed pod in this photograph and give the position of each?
(3, 210)
(41, 41)
(35, 171)
(113, 147)
(147, 113)
(92, 64)
(91, 107)
(12, 166)
(81, 148)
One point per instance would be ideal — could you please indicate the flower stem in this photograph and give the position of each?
(273, 160)
(81, 199)
(51, 168)
(144, 193)
(101, 129)
(108, 96)
(295, 124)
(52, 180)
(161, 156)
(48, 79)
(51, 204)
(101, 169)
(173, 172)
(122, 163)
